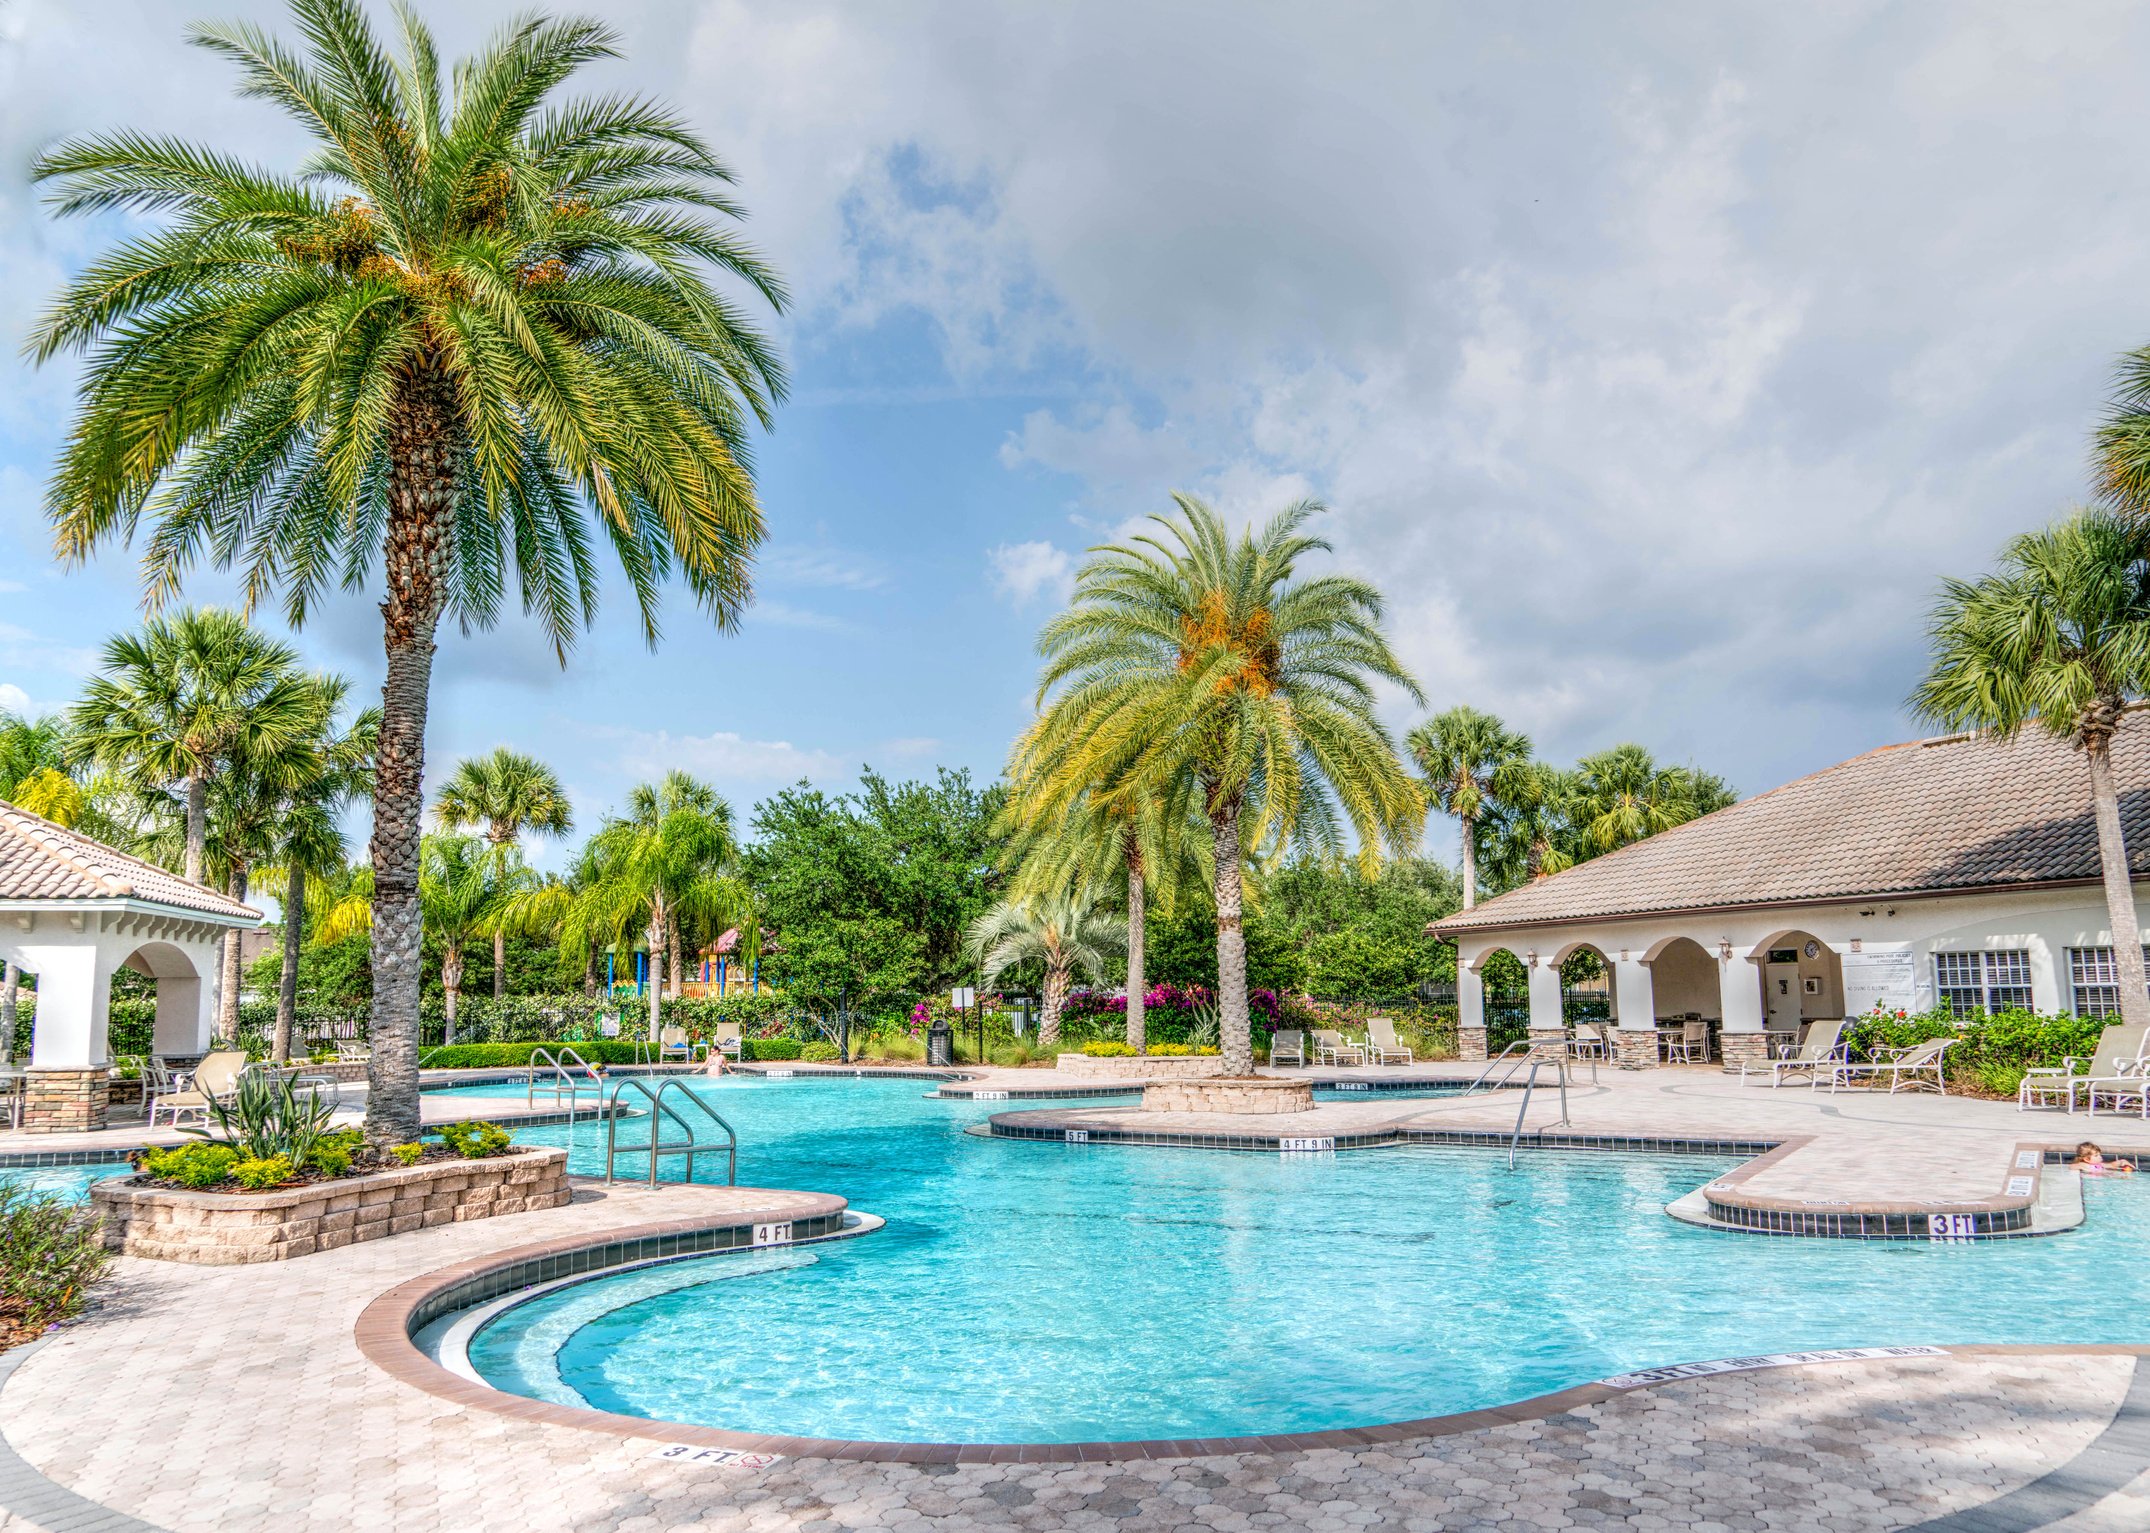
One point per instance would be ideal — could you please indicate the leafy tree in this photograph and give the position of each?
(1204, 670)
(1062, 933)
(1472, 761)
(1183, 950)
(1361, 937)
(1622, 795)
(509, 794)
(189, 698)
(2059, 638)
(471, 341)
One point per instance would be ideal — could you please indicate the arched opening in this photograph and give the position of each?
(181, 1017)
(1686, 1000)
(1503, 983)
(1802, 980)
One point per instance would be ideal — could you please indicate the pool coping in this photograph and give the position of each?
(385, 1329)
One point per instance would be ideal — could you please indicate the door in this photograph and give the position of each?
(1780, 997)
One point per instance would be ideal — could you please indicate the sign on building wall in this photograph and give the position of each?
(1884, 975)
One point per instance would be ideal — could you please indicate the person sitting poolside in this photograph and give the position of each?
(2091, 1161)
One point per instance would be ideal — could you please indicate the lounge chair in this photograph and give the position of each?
(1824, 1049)
(1919, 1065)
(1383, 1044)
(1589, 1040)
(1331, 1049)
(1288, 1046)
(215, 1077)
(724, 1039)
(2130, 1088)
(2118, 1048)
(353, 1052)
(672, 1044)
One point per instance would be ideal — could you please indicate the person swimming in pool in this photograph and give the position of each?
(2091, 1161)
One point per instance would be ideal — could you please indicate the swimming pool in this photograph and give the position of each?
(1047, 1293)
(70, 1182)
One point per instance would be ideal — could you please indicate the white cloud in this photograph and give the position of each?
(1023, 572)
(13, 699)
(722, 756)
(829, 567)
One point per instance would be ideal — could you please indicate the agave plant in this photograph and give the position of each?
(266, 1116)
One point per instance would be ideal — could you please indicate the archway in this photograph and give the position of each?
(182, 1025)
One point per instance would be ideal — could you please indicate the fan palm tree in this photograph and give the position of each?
(1471, 761)
(508, 793)
(2059, 638)
(184, 701)
(1622, 795)
(665, 865)
(472, 340)
(1065, 932)
(1531, 830)
(1204, 670)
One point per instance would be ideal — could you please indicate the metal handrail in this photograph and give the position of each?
(1479, 1084)
(658, 1112)
(560, 1082)
(1530, 1084)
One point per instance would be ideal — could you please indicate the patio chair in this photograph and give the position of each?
(353, 1051)
(14, 1092)
(1330, 1048)
(1383, 1044)
(1690, 1045)
(215, 1077)
(2119, 1046)
(724, 1039)
(1910, 1068)
(672, 1044)
(1590, 1040)
(1288, 1046)
(2129, 1088)
(1824, 1049)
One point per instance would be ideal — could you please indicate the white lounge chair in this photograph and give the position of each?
(1288, 1046)
(724, 1039)
(1823, 1050)
(2118, 1048)
(672, 1044)
(2128, 1089)
(1331, 1049)
(1383, 1044)
(1910, 1068)
(215, 1077)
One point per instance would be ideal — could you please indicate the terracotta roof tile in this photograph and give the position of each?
(43, 861)
(1964, 812)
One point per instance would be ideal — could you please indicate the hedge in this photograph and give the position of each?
(606, 1051)
(1996, 1048)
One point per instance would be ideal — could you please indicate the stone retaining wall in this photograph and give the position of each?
(218, 1229)
(1141, 1067)
(1233, 1096)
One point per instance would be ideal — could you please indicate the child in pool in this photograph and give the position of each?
(2091, 1161)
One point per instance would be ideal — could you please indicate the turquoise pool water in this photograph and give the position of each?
(70, 1182)
(1046, 1293)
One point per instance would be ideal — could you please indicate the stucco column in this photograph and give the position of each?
(1548, 1029)
(1635, 999)
(67, 1085)
(1470, 1010)
(1739, 993)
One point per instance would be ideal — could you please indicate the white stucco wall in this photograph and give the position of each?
(75, 953)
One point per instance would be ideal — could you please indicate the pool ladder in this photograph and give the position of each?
(659, 1112)
(556, 1081)
(1530, 1085)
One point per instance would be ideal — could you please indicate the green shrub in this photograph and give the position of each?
(266, 1117)
(1102, 1049)
(475, 1141)
(201, 1164)
(408, 1153)
(52, 1253)
(329, 1161)
(514, 1056)
(818, 1052)
(765, 1050)
(1995, 1050)
(259, 1173)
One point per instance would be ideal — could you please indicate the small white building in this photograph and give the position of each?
(1960, 871)
(74, 912)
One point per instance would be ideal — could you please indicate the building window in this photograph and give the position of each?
(1973, 982)
(2094, 980)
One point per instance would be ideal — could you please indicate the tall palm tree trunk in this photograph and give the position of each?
(1470, 861)
(451, 985)
(589, 972)
(2120, 915)
(287, 981)
(1055, 997)
(425, 433)
(1137, 1023)
(10, 989)
(1234, 1031)
(672, 955)
(227, 1001)
(197, 826)
(656, 947)
(500, 964)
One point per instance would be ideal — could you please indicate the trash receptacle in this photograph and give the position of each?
(940, 1044)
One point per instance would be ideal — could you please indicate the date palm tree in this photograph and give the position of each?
(509, 794)
(2057, 638)
(474, 339)
(1471, 761)
(184, 701)
(1205, 670)
(1065, 932)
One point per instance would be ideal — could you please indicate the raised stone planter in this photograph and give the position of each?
(1265, 1095)
(221, 1229)
(1141, 1067)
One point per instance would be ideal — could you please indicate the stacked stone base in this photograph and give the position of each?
(1140, 1067)
(1471, 1043)
(1230, 1096)
(1634, 1047)
(1738, 1049)
(1548, 1042)
(65, 1101)
(215, 1229)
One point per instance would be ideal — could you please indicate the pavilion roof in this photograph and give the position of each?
(43, 861)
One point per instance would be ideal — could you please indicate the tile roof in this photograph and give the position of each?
(1957, 813)
(43, 861)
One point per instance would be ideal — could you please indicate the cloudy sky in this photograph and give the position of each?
(1655, 360)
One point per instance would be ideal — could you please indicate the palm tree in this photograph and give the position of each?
(508, 793)
(2059, 636)
(1622, 795)
(1532, 834)
(1202, 669)
(1471, 761)
(185, 700)
(667, 864)
(1064, 932)
(474, 339)
(34, 760)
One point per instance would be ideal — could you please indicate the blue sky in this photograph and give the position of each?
(1656, 360)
